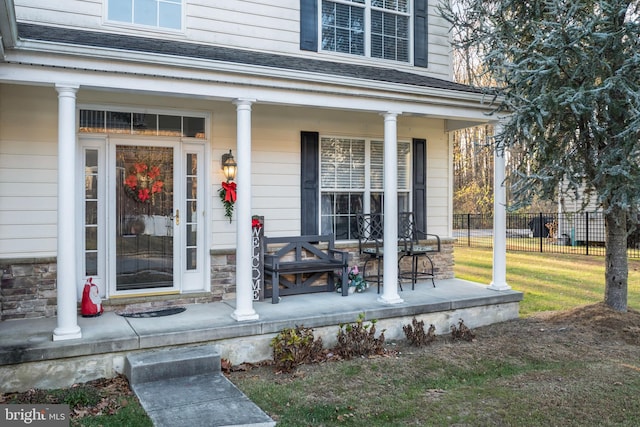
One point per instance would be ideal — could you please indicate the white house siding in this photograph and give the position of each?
(439, 45)
(272, 27)
(253, 25)
(72, 13)
(276, 162)
(438, 190)
(28, 170)
(28, 161)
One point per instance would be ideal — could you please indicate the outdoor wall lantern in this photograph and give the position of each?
(229, 166)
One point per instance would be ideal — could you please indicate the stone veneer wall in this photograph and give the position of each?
(28, 286)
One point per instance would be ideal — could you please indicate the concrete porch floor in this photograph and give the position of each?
(30, 358)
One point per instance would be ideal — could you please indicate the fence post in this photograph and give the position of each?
(469, 229)
(586, 234)
(541, 229)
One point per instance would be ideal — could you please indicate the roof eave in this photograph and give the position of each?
(164, 61)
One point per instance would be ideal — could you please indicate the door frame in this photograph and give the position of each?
(105, 279)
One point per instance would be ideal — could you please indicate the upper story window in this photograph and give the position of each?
(375, 28)
(152, 13)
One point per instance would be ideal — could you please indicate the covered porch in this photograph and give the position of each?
(29, 358)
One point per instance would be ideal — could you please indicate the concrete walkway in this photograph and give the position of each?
(160, 378)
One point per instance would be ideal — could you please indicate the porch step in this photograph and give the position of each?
(171, 363)
(184, 387)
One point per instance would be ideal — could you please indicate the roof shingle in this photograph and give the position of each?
(217, 53)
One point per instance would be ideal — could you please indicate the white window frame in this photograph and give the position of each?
(368, 188)
(157, 27)
(105, 144)
(368, 7)
(96, 143)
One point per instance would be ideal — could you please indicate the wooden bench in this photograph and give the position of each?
(301, 257)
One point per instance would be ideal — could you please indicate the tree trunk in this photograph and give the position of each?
(616, 269)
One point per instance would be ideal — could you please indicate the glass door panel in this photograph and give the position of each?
(193, 264)
(144, 217)
(192, 212)
(92, 176)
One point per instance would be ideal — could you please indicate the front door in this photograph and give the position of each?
(147, 218)
(144, 216)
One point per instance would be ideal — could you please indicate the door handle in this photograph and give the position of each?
(177, 216)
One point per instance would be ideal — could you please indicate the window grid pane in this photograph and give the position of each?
(170, 15)
(145, 12)
(92, 121)
(377, 162)
(377, 165)
(96, 121)
(192, 210)
(120, 10)
(151, 13)
(343, 189)
(91, 212)
(396, 5)
(342, 163)
(339, 211)
(389, 36)
(343, 28)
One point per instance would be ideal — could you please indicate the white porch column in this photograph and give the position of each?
(244, 284)
(66, 281)
(499, 282)
(390, 263)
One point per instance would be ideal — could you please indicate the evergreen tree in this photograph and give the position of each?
(567, 76)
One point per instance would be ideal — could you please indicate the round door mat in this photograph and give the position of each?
(155, 313)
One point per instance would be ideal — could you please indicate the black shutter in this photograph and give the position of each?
(420, 183)
(309, 25)
(420, 45)
(309, 182)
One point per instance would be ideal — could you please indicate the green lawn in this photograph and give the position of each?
(549, 281)
(527, 372)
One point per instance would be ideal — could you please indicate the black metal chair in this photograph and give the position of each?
(370, 243)
(409, 245)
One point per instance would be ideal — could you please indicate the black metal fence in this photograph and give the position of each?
(572, 233)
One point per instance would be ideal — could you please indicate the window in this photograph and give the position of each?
(100, 121)
(352, 181)
(152, 13)
(91, 236)
(375, 28)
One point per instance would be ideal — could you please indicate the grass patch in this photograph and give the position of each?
(548, 281)
(102, 402)
(577, 370)
(130, 415)
(413, 390)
